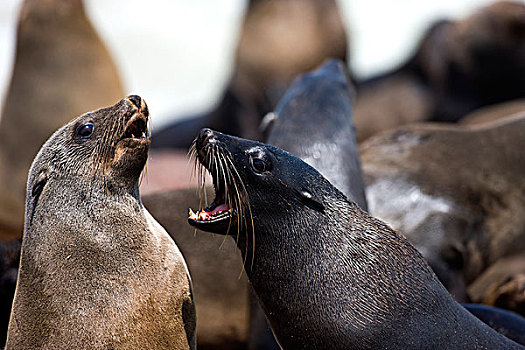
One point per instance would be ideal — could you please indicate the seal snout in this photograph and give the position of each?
(139, 102)
(205, 136)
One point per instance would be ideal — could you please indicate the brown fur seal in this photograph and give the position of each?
(61, 69)
(502, 284)
(459, 66)
(278, 40)
(97, 271)
(455, 192)
(220, 290)
(494, 112)
(328, 275)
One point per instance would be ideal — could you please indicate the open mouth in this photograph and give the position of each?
(137, 129)
(218, 215)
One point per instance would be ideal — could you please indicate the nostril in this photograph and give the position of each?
(204, 135)
(136, 100)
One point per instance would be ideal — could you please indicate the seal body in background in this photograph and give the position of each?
(314, 121)
(96, 270)
(61, 69)
(278, 40)
(328, 275)
(456, 192)
(458, 67)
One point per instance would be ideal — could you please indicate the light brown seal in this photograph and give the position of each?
(61, 69)
(456, 192)
(96, 270)
(220, 288)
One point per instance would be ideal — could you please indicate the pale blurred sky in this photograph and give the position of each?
(177, 54)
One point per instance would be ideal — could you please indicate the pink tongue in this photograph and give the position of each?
(222, 207)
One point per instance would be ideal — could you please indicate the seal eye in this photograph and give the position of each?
(85, 130)
(258, 165)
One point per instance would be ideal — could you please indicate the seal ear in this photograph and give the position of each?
(267, 124)
(310, 200)
(39, 184)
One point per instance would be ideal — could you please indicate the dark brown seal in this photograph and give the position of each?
(61, 69)
(96, 270)
(459, 66)
(455, 192)
(327, 274)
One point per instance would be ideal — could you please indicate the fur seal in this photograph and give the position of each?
(278, 40)
(96, 270)
(314, 122)
(61, 69)
(328, 275)
(459, 66)
(504, 322)
(502, 284)
(494, 112)
(220, 291)
(456, 192)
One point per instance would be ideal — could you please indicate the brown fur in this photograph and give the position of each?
(62, 69)
(458, 66)
(459, 191)
(220, 287)
(96, 270)
(502, 285)
(278, 40)
(495, 112)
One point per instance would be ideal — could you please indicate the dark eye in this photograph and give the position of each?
(259, 165)
(85, 130)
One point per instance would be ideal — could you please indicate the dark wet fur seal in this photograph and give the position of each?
(96, 270)
(459, 66)
(328, 275)
(61, 70)
(456, 192)
(266, 62)
(504, 322)
(314, 121)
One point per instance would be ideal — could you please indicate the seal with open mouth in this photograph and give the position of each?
(327, 274)
(96, 270)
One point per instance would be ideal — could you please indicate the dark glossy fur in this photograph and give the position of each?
(329, 275)
(314, 121)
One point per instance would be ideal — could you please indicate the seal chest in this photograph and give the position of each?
(327, 274)
(97, 271)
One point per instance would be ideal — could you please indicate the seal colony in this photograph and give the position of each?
(96, 270)
(327, 274)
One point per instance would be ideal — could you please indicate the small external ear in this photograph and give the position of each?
(310, 200)
(40, 182)
(267, 124)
